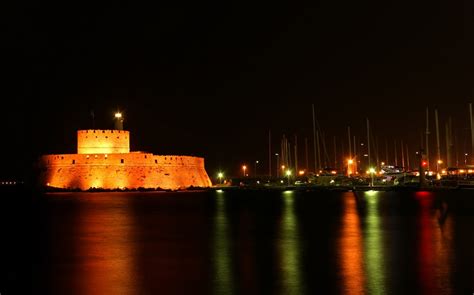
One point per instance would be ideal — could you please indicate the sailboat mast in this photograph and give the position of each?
(314, 140)
(395, 149)
(408, 158)
(427, 148)
(403, 156)
(437, 137)
(319, 151)
(472, 132)
(296, 154)
(270, 153)
(354, 152)
(376, 146)
(325, 155)
(289, 156)
(368, 141)
(449, 142)
(349, 139)
(306, 153)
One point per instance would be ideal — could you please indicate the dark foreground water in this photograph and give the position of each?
(243, 243)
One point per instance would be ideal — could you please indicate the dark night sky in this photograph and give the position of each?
(210, 79)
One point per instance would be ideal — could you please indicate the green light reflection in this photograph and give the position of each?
(223, 264)
(373, 246)
(289, 247)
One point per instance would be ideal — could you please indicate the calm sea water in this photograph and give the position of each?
(243, 243)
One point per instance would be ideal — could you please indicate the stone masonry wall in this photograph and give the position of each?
(132, 170)
(103, 141)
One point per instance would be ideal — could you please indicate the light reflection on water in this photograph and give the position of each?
(93, 249)
(106, 256)
(274, 243)
(373, 245)
(289, 248)
(223, 266)
(351, 248)
(434, 248)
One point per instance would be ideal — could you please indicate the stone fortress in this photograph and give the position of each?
(104, 161)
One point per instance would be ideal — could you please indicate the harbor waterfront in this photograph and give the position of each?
(240, 241)
(194, 148)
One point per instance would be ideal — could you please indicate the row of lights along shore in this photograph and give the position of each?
(8, 182)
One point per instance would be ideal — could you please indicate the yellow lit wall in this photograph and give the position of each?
(103, 141)
(132, 170)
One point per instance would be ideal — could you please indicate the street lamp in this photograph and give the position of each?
(372, 171)
(465, 159)
(244, 168)
(439, 162)
(220, 175)
(288, 173)
(255, 171)
(350, 169)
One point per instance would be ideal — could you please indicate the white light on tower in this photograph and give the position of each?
(118, 121)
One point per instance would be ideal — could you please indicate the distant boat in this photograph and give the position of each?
(460, 177)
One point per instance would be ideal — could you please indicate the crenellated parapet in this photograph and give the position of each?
(129, 159)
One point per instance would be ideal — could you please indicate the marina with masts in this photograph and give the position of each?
(440, 160)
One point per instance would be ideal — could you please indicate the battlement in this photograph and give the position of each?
(120, 159)
(102, 131)
(99, 141)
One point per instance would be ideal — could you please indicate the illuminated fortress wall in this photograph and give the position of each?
(133, 170)
(103, 141)
(104, 160)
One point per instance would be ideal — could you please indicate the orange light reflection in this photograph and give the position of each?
(350, 249)
(106, 255)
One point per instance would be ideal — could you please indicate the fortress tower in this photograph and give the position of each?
(103, 141)
(104, 160)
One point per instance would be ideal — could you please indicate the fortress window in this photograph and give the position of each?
(118, 137)
(112, 131)
(103, 131)
(106, 137)
(62, 158)
(121, 161)
(94, 131)
(74, 161)
(156, 161)
(145, 156)
(96, 136)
